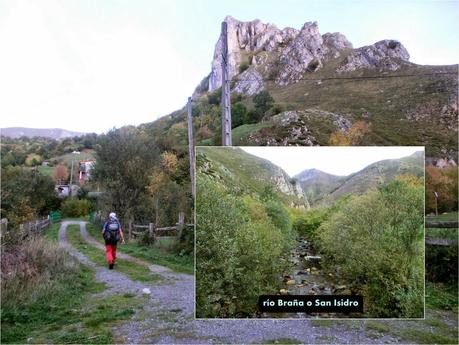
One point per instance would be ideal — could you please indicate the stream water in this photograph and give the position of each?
(309, 278)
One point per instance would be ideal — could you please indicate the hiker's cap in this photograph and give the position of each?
(112, 215)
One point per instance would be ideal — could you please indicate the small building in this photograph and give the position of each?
(84, 171)
(62, 190)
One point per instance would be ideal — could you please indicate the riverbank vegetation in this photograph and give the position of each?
(370, 244)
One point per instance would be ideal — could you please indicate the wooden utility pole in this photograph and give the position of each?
(436, 203)
(71, 177)
(226, 99)
(191, 146)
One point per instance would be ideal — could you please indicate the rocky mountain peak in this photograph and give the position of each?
(259, 51)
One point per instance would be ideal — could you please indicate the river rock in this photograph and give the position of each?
(313, 258)
(283, 292)
(291, 282)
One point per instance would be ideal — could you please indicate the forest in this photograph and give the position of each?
(251, 242)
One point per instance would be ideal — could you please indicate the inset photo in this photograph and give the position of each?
(310, 232)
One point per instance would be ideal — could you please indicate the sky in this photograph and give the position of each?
(90, 66)
(339, 160)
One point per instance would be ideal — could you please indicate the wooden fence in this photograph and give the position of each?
(135, 230)
(440, 225)
(34, 228)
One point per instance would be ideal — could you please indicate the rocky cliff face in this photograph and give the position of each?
(290, 187)
(286, 55)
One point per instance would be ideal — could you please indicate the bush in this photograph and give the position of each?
(308, 224)
(76, 208)
(243, 66)
(279, 217)
(238, 115)
(215, 97)
(237, 257)
(263, 101)
(377, 242)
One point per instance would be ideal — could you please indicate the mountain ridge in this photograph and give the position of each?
(323, 187)
(53, 133)
(321, 88)
(244, 171)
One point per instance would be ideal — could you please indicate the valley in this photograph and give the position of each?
(270, 243)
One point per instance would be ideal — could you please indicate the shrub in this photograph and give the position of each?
(263, 101)
(76, 208)
(238, 115)
(243, 66)
(279, 216)
(237, 253)
(215, 97)
(377, 242)
(308, 224)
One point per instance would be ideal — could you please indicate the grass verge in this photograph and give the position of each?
(48, 297)
(151, 254)
(132, 270)
(52, 233)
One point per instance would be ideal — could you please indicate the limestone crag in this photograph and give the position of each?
(284, 184)
(386, 54)
(242, 37)
(286, 55)
(249, 82)
(308, 52)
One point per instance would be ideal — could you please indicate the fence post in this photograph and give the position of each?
(151, 229)
(130, 230)
(180, 224)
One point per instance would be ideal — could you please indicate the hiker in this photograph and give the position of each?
(112, 233)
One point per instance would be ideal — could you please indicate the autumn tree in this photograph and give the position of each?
(444, 182)
(125, 159)
(165, 187)
(354, 136)
(60, 173)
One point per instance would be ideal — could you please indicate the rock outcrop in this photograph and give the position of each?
(286, 55)
(242, 37)
(249, 82)
(290, 187)
(386, 54)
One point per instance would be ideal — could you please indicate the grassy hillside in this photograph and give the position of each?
(244, 173)
(378, 173)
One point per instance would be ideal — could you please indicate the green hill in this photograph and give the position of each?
(329, 188)
(244, 173)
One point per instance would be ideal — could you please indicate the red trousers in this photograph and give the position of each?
(110, 253)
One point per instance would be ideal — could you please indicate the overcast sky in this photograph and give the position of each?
(90, 65)
(340, 160)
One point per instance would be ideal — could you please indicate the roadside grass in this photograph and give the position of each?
(153, 254)
(450, 233)
(440, 296)
(132, 270)
(55, 306)
(59, 306)
(426, 337)
(52, 233)
(444, 217)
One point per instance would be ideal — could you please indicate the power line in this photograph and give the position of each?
(353, 78)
